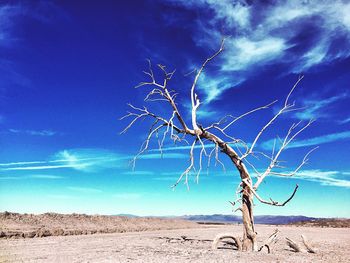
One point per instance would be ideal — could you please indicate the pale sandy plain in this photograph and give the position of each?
(332, 244)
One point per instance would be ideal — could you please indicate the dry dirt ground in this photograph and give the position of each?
(332, 245)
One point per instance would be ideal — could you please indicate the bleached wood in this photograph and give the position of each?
(307, 245)
(222, 236)
(247, 113)
(293, 245)
(272, 239)
(271, 202)
(194, 97)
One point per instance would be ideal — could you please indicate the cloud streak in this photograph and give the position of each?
(7, 17)
(333, 137)
(300, 35)
(326, 178)
(315, 108)
(347, 120)
(32, 176)
(85, 160)
(47, 133)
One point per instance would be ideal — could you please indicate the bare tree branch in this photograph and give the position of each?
(289, 138)
(271, 202)
(188, 169)
(285, 108)
(304, 161)
(194, 97)
(247, 113)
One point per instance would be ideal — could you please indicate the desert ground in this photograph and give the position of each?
(180, 245)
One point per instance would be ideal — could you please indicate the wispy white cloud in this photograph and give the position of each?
(164, 156)
(34, 132)
(89, 160)
(21, 163)
(311, 141)
(32, 176)
(85, 190)
(7, 17)
(85, 160)
(328, 178)
(269, 33)
(204, 112)
(213, 87)
(45, 176)
(244, 52)
(12, 14)
(347, 120)
(318, 108)
(42, 167)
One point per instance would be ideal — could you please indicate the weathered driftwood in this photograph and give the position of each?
(293, 245)
(183, 239)
(297, 248)
(307, 245)
(219, 237)
(270, 241)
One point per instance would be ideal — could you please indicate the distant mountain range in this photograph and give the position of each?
(219, 218)
(262, 219)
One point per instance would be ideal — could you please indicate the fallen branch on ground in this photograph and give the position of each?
(293, 245)
(307, 245)
(297, 248)
(237, 244)
(271, 240)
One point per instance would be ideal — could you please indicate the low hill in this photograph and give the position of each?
(325, 222)
(53, 224)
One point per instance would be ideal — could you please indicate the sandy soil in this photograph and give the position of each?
(332, 245)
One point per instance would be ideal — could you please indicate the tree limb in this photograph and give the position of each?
(194, 97)
(271, 202)
(285, 108)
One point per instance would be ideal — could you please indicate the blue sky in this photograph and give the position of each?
(67, 72)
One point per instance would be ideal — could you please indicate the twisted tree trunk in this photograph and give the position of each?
(249, 234)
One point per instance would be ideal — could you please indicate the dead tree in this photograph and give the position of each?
(217, 134)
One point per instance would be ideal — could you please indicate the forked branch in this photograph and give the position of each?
(287, 107)
(275, 156)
